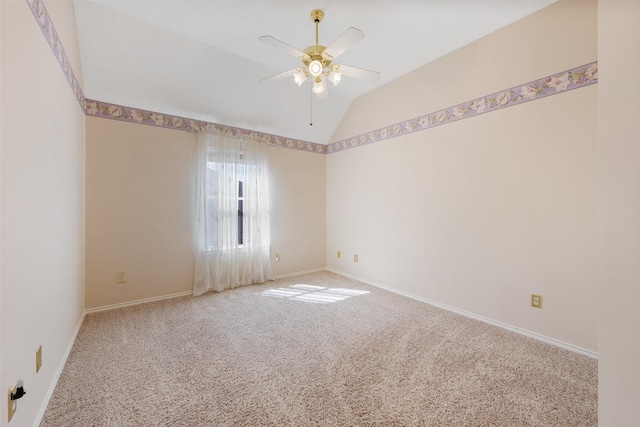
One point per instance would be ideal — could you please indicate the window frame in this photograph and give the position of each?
(240, 192)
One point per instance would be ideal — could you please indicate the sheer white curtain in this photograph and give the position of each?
(232, 215)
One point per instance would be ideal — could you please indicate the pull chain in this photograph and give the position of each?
(310, 108)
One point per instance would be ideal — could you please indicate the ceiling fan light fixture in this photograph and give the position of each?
(315, 68)
(317, 60)
(300, 76)
(318, 86)
(334, 75)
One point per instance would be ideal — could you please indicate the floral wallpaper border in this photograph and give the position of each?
(144, 117)
(574, 78)
(46, 25)
(117, 112)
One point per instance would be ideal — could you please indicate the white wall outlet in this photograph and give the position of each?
(355, 258)
(121, 277)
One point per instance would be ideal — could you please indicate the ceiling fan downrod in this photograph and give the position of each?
(316, 16)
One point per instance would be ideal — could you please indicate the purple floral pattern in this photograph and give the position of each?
(134, 115)
(46, 25)
(558, 83)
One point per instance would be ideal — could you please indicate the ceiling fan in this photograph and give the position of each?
(318, 59)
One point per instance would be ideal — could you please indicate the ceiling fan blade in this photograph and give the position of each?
(359, 73)
(272, 41)
(282, 75)
(344, 42)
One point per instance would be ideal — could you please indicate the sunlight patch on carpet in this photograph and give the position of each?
(314, 294)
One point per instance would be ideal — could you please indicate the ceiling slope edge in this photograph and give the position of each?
(106, 110)
(564, 81)
(53, 39)
(574, 78)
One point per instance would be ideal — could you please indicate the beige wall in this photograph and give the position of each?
(297, 207)
(140, 201)
(619, 213)
(481, 213)
(42, 162)
(140, 219)
(42, 176)
(559, 37)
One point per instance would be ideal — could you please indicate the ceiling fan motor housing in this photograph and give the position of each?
(315, 54)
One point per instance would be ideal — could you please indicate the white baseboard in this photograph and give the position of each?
(314, 270)
(499, 324)
(508, 327)
(56, 376)
(136, 302)
(180, 294)
(67, 352)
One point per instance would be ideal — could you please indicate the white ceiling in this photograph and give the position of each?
(202, 59)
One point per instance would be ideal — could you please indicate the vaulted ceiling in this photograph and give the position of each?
(202, 59)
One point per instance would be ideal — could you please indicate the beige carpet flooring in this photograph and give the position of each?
(314, 350)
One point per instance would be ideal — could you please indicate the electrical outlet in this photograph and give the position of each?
(121, 278)
(15, 393)
(13, 405)
(536, 301)
(355, 258)
(339, 254)
(277, 257)
(38, 359)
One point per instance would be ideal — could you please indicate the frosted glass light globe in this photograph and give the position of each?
(315, 68)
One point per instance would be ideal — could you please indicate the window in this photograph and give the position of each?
(232, 215)
(217, 174)
(240, 205)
